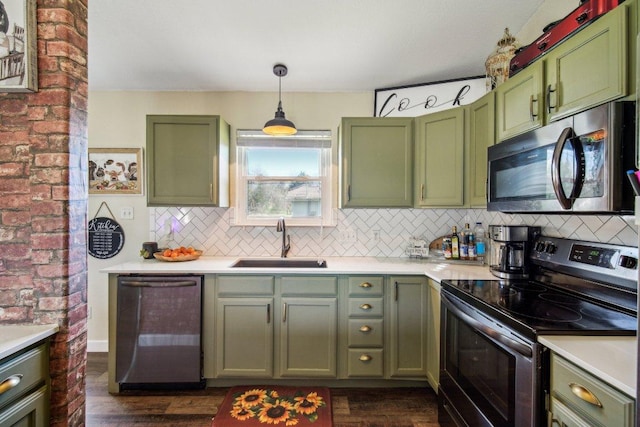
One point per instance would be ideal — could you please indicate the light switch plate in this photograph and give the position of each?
(126, 212)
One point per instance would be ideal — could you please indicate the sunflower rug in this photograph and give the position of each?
(252, 406)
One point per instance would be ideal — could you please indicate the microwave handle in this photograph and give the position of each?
(567, 201)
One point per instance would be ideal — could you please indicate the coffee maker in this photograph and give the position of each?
(509, 250)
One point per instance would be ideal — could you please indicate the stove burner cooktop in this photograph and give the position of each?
(535, 309)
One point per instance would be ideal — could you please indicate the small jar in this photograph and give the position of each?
(446, 247)
(148, 249)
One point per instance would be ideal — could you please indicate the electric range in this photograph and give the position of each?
(576, 288)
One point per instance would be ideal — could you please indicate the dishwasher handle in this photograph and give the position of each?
(159, 284)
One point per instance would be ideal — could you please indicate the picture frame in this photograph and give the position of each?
(419, 99)
(18, 46)
(115, 171)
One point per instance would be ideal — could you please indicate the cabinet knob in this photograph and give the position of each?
(366, 285)
(584, 394)
(365, 358)
(366, 307)
(10, 383)
(365, 328)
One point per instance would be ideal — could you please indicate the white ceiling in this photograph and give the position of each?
(328, 45)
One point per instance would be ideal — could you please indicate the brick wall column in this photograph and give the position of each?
(43, 202)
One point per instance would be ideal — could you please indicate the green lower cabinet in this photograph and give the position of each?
(30, 411)
(563, 417)
(244, 346)
(308, 337)
(433, 335)
(408, 309)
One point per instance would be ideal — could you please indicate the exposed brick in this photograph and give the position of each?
(12, 169)
(47, 207)
(51, 271)
(37, 113)
(48, 224)
(65, 49)
(41, 192)
(8, 298)
(14, 185)
(11, 107)
(15, 218)
(51, 97)
(41, 257)
(52, 303)
(15, 201)
(49, 176)
(14, 137)
(55, 16)
(51, 160)
(49, 241)
(50, 126)
(15, 314)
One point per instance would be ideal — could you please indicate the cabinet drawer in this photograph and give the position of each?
(30, 411)
(251, 285)
(366, 285)
(32, 365)
(309, 285)
(365, 333)
(365, 363)
(359, 307)
(610, 407)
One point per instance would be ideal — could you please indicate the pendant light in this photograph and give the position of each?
(279, 125)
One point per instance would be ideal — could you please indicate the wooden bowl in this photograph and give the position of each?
(191, 257)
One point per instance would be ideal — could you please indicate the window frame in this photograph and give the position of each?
(245, 139)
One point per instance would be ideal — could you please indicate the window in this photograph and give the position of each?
(286, 176)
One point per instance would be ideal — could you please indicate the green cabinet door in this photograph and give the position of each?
(590, 68)
(433, 335)
(519, 103)
(408, 326)
(308, 337)
(31, 410)
(376, 162)
(187, 161)
(244, 337)
(563, 417)
(440, 159)
(480, 135)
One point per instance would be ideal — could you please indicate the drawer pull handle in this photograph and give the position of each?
(584, 394)
(366, 307)
(365, 328)
(366, 285)
(365, 358)
(10, 383)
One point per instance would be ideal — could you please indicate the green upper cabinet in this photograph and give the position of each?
(519, 102)
(480, 135)
(376, 162)
(440, 159)
(590, 68)
(187, 161)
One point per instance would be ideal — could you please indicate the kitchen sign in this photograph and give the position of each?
(420, 99)
(106, 237)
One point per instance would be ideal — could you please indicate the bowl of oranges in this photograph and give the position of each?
(178, 254)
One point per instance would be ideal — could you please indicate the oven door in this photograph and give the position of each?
(489, 376)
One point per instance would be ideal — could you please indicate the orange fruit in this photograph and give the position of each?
(167, 252)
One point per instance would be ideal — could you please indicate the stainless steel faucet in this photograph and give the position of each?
(286, 239)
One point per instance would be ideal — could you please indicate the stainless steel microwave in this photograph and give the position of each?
(576, 164)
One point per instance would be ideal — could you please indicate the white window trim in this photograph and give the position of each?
(241, 217)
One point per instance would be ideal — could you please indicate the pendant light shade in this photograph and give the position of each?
(279, 125)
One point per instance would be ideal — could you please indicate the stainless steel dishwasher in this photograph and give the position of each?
(159, 330)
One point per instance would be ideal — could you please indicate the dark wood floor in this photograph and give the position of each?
(403, 407)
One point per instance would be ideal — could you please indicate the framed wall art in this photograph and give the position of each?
(18, 46)
(115, 171)
(417, 100)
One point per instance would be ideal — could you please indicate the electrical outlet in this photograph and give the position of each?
(89, 312)
(126, 212)
(375, 235)
(349, 236)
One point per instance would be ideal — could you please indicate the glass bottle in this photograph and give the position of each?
(455, 243)
(481, 244)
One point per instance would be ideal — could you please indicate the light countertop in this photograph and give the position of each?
(14, 338)
(613, 359)
(434, 269)
(610, 358)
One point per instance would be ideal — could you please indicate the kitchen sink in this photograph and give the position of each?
(279, 263)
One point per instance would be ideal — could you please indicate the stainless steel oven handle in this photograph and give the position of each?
(486, 330)
(168, 284)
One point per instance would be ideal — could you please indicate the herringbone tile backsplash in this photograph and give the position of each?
(212, 230)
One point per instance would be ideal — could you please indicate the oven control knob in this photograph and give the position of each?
(550, 248)
(540, 247)
(628, 262)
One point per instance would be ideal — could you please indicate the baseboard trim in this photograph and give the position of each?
(97, 346)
